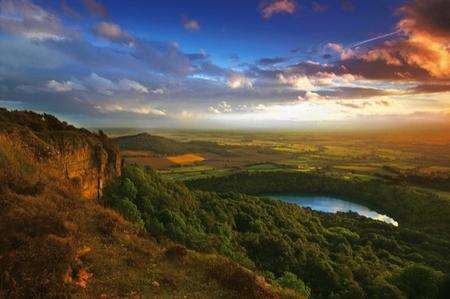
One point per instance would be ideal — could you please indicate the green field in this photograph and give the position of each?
(418, 158)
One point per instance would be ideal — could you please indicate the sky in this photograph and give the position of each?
(227, 64)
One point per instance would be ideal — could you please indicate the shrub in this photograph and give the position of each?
(290, 281)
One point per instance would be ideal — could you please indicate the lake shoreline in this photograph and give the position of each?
(330, 204)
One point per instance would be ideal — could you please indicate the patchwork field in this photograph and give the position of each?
(185, 159)
(420, 157)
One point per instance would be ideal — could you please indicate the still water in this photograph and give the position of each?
(331, 205)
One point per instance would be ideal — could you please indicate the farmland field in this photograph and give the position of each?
(419, 157)
(185, 159)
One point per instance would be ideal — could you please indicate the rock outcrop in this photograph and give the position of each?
(53, 152)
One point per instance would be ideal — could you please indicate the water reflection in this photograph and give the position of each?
(332, 205)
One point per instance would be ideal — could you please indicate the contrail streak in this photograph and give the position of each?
(374, 39)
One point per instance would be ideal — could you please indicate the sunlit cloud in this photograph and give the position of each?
(130, 85)
(114, 33)
(126, 107)
(296, 81)
(64, 86)
(335, 47)
(190, 24)
(239, 81)
(426, 43)
(278, 6)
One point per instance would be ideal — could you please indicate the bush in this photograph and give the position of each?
(127, 208)
(290, 281)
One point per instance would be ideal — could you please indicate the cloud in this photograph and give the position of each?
(158, 91)
(426, 31)
(130, 85)
(18, 54)
(108, 87)
(64, 86)
(431, 88)
(335, 47)
(163, 57)
(114, 33)
(271, 61)
(222, 107)
(100, 84)
(24, 18)
(311, 96)
(298, 82)
(131, 108)
(278, 6)
(354, 104)
(96, 8)
(190, 24)
(202, 55)
(239, 81)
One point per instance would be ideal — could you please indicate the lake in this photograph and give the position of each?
(331, 205)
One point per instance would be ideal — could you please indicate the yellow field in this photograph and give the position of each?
(185, 159)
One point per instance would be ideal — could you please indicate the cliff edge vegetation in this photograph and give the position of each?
(58, 241)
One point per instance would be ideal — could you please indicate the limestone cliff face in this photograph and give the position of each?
(39, 149)
(89, 166)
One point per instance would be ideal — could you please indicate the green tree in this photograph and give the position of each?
(419, 281)
(291, 281)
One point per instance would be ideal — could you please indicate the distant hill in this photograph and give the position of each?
(166, 146)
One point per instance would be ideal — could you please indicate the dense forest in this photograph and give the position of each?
(319, 255)
(411, 207)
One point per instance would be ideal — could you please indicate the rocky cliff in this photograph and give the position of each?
(42, 150)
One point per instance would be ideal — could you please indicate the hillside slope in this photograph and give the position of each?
(166, 146)
(38, 149)
(58, 242)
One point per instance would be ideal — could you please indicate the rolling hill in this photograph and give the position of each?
(166, 146)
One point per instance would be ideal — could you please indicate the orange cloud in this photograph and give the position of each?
(278, 6)
(426, 26)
